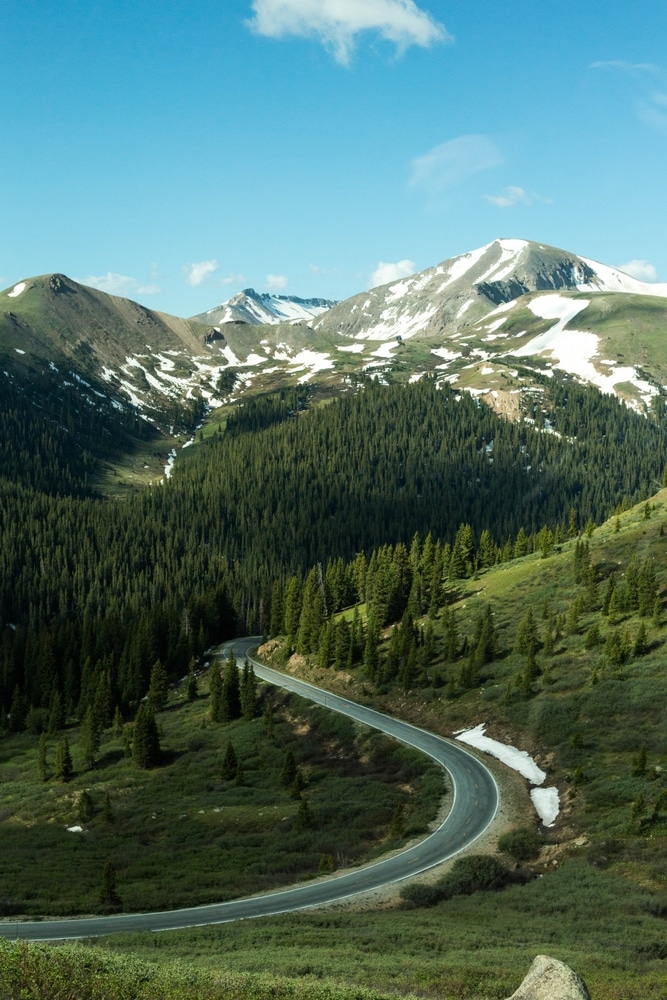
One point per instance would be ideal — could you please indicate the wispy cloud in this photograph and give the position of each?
(651, 109)
(653, 112)
(386, 272)
(323, 271)
(513, 195)
(338, 23)
(627, 67)
(276, 282)
(452, 162)
(118, 284)
(195, 274)
(233, 279)
(641, 269)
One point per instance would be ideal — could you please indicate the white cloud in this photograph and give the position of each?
(233, 279)
(118, 284)
(641, 269)
(195, 274)
(514, 195)
(384, 272)
(452, 162)
(276, 282)
(337, 23)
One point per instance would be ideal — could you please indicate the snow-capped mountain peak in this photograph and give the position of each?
(257, 308)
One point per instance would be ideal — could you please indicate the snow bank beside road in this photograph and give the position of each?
(545, 800)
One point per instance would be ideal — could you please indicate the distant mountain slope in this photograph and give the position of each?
(495, 321)
(136, 357)
(258, 308)
(460, 291)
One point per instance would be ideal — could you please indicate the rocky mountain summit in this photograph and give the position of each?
(458, 293)
(257, 308)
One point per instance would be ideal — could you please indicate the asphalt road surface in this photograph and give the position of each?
(473, 807)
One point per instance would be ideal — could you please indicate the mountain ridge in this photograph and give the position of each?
(495, 321)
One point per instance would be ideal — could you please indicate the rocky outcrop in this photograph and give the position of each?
(549, 979)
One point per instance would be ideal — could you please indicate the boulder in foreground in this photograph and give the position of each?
(549, 979)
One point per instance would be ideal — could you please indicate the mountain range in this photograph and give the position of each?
(501, 321)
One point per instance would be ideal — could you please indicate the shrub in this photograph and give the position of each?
(474, 873)
(420, 894)
(521, 843)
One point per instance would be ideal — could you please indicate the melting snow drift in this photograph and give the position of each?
(545, 800)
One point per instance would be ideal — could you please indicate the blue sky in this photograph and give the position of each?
(178, 152)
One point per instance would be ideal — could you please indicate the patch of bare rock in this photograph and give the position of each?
(549, 979)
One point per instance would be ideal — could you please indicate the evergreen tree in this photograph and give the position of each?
(288, 773)
(325, 651)
(277, 617)
(248, 691)
(103, 701)
(56, 713)
(231, 690)
(117, 726)
(303, 818)
(292, 611)
(146, 741)
(526, 641)
(107, 811)
(342, 645)
(216, 709)
(312, 615)
(230, 762)
(85, 806)
(64, 768)
(158, 691)
(109, 897)
(89, 738)
(639, 762)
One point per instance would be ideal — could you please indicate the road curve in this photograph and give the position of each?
(474, 805)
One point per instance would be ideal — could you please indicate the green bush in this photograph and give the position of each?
(521, 843)
(420, 894)
(474, 873)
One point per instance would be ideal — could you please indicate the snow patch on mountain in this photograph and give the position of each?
(393, 324)
(17, 289)
(612, 280)
(510, 251)
(575, 349)
(461, 265)
(312, 360)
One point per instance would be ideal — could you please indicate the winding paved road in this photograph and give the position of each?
(474, 805)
